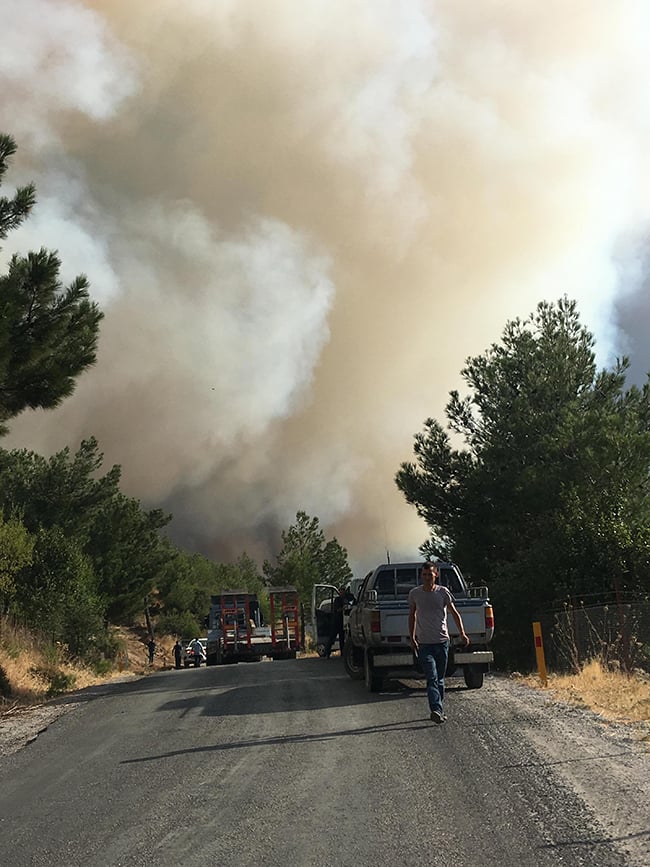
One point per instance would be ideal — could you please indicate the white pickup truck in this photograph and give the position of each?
(377, 636)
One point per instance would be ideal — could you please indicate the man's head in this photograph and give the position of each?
(429, 574)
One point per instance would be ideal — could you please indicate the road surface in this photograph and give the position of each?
(291, 763)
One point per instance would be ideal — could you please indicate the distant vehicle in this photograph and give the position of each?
(236, 632)
(192, 657)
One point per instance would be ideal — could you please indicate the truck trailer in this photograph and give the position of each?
(236, 632)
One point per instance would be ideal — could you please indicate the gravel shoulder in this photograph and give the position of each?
(606, 763)
(20, 726)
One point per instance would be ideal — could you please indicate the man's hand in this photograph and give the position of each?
(465, 638)
(414, 644)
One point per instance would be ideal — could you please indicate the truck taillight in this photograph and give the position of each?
(489, 617)
(375, 621)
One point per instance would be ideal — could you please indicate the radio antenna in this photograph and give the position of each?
(383, 521)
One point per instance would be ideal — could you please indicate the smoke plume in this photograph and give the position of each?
(300, 218)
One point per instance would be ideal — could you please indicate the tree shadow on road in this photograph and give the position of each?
(280, 740)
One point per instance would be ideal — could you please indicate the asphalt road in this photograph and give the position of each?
(292, 763)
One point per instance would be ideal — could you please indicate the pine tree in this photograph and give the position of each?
(48, 332)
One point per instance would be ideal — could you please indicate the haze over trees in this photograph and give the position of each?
(77, 554)
(539, 484)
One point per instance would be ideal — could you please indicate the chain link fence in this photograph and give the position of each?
(617, 634)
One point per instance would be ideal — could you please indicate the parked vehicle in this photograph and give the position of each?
(286, 631)
(377, 636)
(236, 632)
(193, 655)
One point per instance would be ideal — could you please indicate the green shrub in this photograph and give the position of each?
(12, 648)
(5, 686)
(52, 653)
(106, 646)
(57, 681)
(181, 623)
(101, 667)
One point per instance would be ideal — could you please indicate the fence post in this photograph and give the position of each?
(539, 652)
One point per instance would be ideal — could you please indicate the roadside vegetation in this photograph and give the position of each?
(607, 691)
(538, 483)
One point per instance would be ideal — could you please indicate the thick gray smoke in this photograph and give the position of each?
(301, 221)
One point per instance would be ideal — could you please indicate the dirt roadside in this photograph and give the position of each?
(21, 722)
(20, 725)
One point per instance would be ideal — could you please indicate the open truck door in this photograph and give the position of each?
(322, 603)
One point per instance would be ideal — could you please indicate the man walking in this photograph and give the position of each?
(428, 604)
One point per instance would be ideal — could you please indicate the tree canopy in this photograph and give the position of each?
(539, 483)
(48, 332)
(306, 559)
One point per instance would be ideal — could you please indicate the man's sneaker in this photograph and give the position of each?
(437, 717)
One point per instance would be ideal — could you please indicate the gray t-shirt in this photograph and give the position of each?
(430, 613)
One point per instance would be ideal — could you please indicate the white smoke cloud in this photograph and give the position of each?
(301, 225)
(59, 56)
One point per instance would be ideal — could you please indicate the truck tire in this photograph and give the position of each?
(473, 675)
(353, 660)
(374, 681)
(211, 659)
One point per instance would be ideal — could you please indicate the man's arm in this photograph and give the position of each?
(412, 639)
(459, 622)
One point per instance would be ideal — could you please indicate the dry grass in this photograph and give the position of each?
(29, 668)
(612, 694)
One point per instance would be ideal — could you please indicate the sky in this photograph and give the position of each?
(301, 217)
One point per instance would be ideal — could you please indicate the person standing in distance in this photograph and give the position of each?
(151, 647)
(178, 654)
(428, 605)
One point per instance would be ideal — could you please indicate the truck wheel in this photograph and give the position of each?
(374, 681)
(473, 675)
(211, 659)
(353, 660)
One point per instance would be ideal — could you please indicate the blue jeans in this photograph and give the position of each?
(433, 659)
